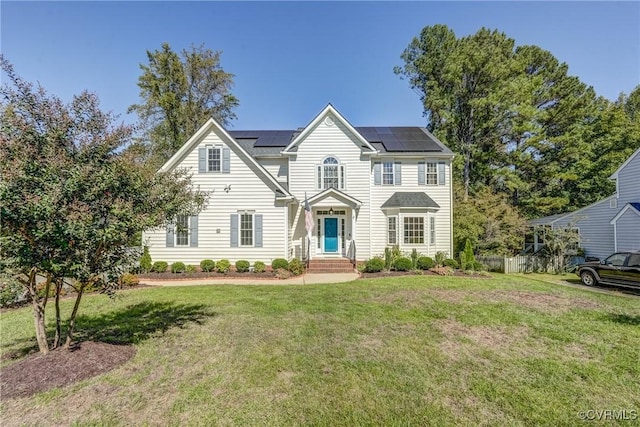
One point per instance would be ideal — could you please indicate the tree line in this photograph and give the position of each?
(531, 140)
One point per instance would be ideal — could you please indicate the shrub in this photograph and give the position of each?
(442, 271)
(242, 266)
(374, 265)
(259, 267)
(390, 256)
(449, 262)
(280, 263)
(478, 266)
(440, 257)
(129, 279)
(414, 258)
(467, 259)
(296, 267)
(11, 291)
(178, 267)
(402, 264)
(281, 273)
(223, 266)
(425, 263)
(145, 261)
(190, 269)
(159, 267)
(207, 265)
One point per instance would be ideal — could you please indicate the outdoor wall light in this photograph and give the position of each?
(330, 211)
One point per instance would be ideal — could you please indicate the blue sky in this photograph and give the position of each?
(292, 58)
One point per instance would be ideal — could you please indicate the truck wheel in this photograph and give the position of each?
(588, 278)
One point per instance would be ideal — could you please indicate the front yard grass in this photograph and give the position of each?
(416, 350)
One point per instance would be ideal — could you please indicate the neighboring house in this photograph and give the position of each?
(367, 188)
(607, 226)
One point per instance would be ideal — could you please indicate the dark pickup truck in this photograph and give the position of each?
(620, 269)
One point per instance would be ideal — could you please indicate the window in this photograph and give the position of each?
(414, 230)
(246, 229)
(330, 174)
(617, 260)
(387, 173)
(182, 230)
(432, 173)
(318, 232)
(214, 159)
(392, 230)
(432, 230)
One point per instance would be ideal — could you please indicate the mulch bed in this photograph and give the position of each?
(206, 275)
(456, 273)
(38, 372)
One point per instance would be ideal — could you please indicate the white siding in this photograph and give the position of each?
(628, 231)
(335, 140)
(441, 194)
(629, 182)
(596, 232)
(248, 192)
(278, 168)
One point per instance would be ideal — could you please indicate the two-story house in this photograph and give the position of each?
(609, 225)
(366, 188)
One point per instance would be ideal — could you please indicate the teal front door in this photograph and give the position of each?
(331, 234)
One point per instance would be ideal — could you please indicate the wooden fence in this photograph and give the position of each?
(522, 263)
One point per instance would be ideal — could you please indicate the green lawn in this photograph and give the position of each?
(509, 350)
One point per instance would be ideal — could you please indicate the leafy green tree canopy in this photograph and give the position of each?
(71, 196)
(178, 93)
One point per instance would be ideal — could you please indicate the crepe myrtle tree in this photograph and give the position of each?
(71, 196)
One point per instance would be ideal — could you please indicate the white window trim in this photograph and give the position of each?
(253, 229)
(187, 229)
(342, 174)
(389, 230)
(210, 148)
(426, 173)
(393, 173)
(424, 231)
(432, 230)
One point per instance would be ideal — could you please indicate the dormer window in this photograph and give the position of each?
(330, 174)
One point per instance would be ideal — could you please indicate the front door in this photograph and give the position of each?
(331, 234)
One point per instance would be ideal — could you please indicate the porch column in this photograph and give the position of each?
(353, 229)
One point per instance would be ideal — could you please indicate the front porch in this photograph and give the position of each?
(333, 235)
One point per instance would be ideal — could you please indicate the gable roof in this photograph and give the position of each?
(328, 110)
(212, 125)
(626, 162)
(633, 206)
(352, 201)
(410, 199)
(551, 219)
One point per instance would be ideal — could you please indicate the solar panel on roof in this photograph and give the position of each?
(266, 138)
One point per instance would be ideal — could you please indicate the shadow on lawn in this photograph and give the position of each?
(129, 325)
(138, 322)
(624, 319)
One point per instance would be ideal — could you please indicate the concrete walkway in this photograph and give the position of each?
(305, 279)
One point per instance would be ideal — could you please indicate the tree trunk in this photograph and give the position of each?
(38, 313)
(57, 340)
(72, 318)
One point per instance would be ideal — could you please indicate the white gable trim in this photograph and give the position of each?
(626, 162)
(204, 130)
(328, 109)
(622, 212)
(351, 201)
